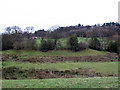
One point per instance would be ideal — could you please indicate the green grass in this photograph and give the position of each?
(87, 52)
(0, 64)
(82, 39)
(96, 82)
(0, 52)
(62, 43)
(104, 67)
(38, 41)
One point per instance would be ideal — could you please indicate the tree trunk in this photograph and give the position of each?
(55, 44)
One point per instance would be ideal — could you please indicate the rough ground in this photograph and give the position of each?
(17, 73)
(99, 58)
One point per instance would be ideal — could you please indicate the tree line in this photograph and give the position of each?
(15, 38)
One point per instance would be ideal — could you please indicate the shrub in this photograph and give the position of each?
(46, 45)
(112, 47)
(94, 44)
(7, 42)
(43, 46)
(31, 44)
(59, 45)
(73, 42)
(82, 46)
(18, 45)
(51, 44)
(24, 45)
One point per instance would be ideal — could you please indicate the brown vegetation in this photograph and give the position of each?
(17, 73)
(53, 59)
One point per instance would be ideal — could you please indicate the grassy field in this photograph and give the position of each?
(96, 82)
(87, 52)
(104, 67)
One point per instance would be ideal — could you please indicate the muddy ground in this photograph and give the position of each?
(17, 73)
(100, 58)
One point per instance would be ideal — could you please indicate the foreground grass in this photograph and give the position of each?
(104, 67)
(87, 52)
(96, 82)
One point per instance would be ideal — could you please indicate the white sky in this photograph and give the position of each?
(45, 13)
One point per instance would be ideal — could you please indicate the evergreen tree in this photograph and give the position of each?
(73, 42)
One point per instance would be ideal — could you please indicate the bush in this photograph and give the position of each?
(24, 45)
(82, 46)
(112, 47)
(59, 45)
(7, 42)
(47, 45)
(43, 46)
(94, 44)
(31, 44)
(51, 44)
(18, 45)
(73, 43)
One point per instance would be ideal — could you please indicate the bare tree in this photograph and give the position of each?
(54, 27)
(16, 29)
(29, 29)
(8, 29)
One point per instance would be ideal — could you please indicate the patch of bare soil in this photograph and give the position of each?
(100, 58)
(17, 73)
(7, 57)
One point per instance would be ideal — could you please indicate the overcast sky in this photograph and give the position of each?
(45, 13)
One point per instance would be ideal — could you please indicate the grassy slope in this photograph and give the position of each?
(87, 52)
(104, 67)
(111, 67)
(97, 82)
